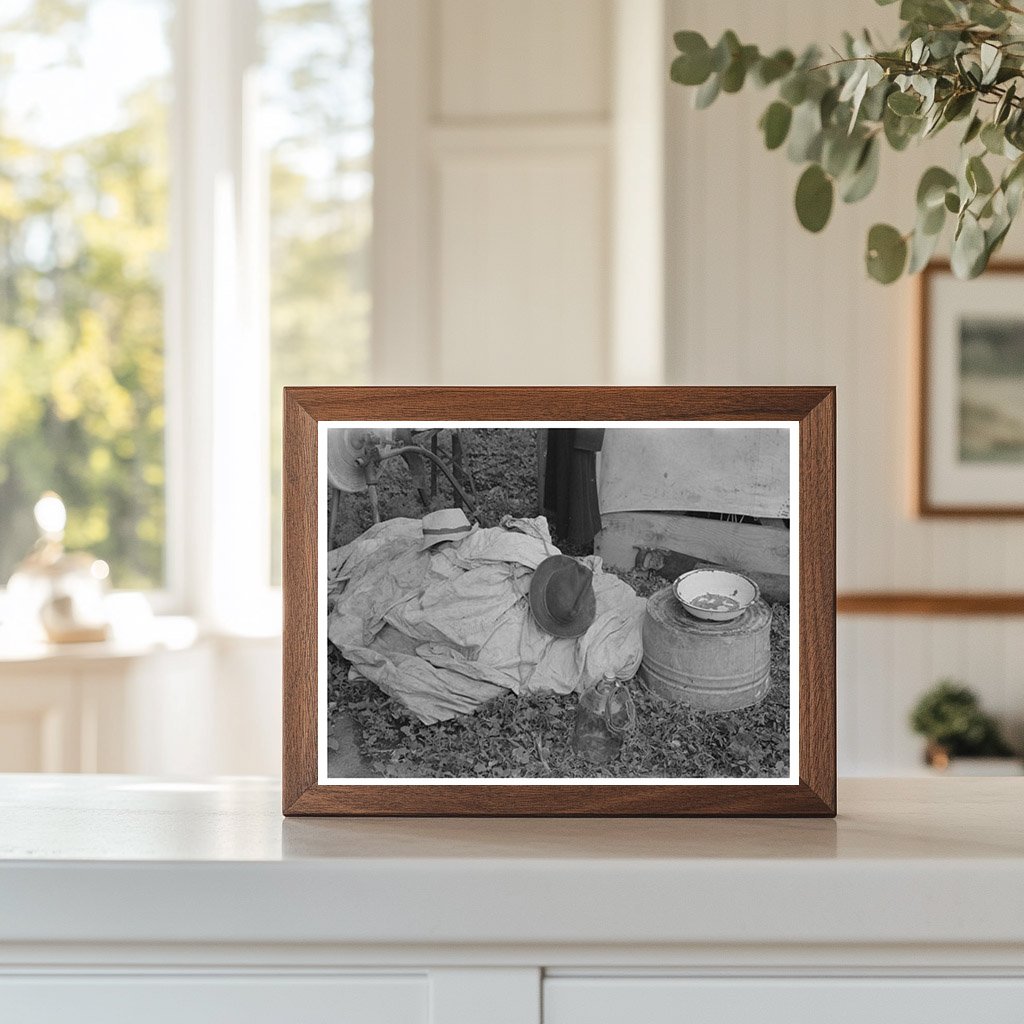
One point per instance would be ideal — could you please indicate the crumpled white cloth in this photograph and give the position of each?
(446, 629)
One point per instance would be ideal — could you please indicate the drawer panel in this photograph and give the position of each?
(659, 1000)
(205, 999)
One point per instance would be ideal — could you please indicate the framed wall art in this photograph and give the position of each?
(559, 601)
(970, 444)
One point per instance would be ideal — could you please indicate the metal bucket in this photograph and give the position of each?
(714, 666)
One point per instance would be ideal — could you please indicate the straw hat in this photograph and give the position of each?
(445, 524)
(562, 596)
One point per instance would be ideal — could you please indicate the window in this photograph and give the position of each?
(83, 234)
(185, 220)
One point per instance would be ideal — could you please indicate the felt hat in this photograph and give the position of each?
(445, 524)
(562, 596)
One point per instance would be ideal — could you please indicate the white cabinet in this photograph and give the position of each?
(824, 1000)
(202, 999)
(126, 899)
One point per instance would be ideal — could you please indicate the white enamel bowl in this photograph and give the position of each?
(717, 582)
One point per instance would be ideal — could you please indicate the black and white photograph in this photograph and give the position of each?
(577, 602)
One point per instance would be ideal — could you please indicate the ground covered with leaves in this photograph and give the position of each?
(531, 736)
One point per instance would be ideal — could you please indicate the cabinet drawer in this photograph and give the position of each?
(660, 1000)
(222, 999)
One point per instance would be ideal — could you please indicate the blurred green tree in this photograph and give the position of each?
(82, 232)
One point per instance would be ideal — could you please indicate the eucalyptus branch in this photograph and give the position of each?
(953, 60)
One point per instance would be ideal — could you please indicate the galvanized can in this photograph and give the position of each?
(714, 666)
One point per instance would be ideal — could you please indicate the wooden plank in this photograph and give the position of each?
(743, 546)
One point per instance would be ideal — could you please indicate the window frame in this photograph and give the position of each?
(217, 351)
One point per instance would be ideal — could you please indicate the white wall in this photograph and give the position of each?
(501, 134)
(754, 299)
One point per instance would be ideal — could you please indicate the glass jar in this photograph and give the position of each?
(603, 717)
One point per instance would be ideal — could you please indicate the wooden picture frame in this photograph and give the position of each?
(807, 412)
(942, 488)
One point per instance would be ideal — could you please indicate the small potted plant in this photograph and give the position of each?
(950, 718)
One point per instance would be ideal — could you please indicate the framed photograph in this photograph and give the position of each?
(970, 450)
(559, 601)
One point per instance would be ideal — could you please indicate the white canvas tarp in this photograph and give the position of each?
(446, 629)
(737, 470)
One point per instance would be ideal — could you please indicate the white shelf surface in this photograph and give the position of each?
(110, 859)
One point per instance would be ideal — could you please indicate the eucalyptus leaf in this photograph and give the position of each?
(771, 69)
(1013, 187)
(987, 15)
(707, 93)
(691, 69)
(991, 60)
(978, 176)
(900, 130)
(925, 87)
(932, 221)
(840, 152)
(933, 122)
(687, 41)
(993, 138)
(735, 74)
(828, 104)
(903, 103)
(968, 254)
(867, 74)
(922, 247)
(931, 190)
(944, 44)
(1005, 105)
(966, 187)
(886, 253)
(1014, 192)
(929, 12)
(724, 51)
(814, 196)
(973, 130)
(958, 105)
(873, 106)
(775, 124)
(865, 173)
(805, 133)
(794, 88)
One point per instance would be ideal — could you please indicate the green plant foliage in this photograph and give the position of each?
(693, 65)
(949, 715)
(955, 60)
(814, 195)
(887, 253)
(775, 124)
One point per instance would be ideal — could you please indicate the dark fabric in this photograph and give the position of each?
(570, 484)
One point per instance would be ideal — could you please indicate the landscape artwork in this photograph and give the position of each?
(585, 603)
(991, 390)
